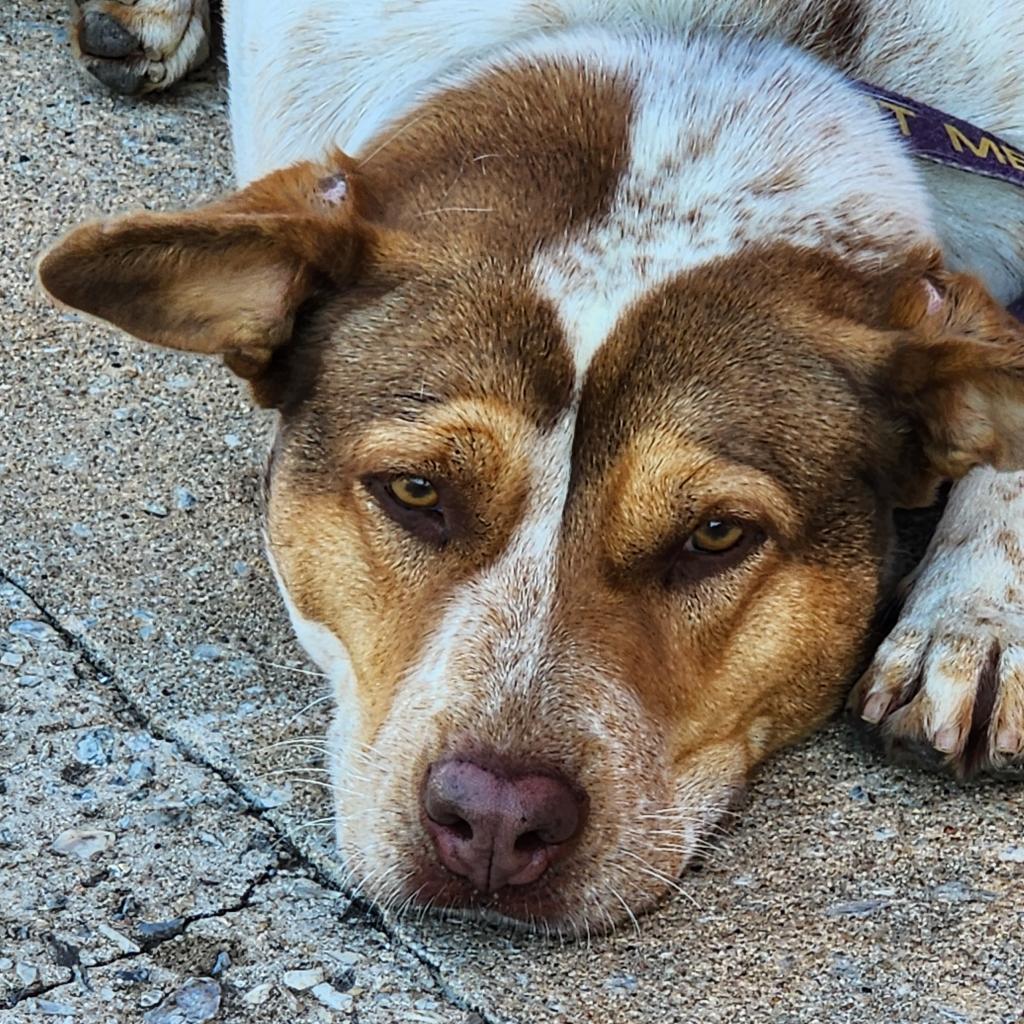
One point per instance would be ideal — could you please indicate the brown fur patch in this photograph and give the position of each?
(835, 31)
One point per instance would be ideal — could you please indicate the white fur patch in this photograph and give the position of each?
(721, 159)
(513, 597)
(328, 652)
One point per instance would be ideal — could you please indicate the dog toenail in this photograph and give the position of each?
(875, 708)
(1009, 740)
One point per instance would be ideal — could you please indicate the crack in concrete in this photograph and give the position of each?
(19, 995)
(360, 909)
(148, 944)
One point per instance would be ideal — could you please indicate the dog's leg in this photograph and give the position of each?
(136, 46)
(947, 686)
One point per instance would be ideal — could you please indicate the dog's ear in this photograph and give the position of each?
(224, 279)
(957, 373)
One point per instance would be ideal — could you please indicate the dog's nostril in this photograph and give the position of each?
(462, 829)
(528, 842)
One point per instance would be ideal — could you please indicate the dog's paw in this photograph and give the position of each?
(946, 688)
(140, 45)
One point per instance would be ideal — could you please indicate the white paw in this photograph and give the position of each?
(140, 46)
(947, 686)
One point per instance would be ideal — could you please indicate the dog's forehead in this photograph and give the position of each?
(558, 197)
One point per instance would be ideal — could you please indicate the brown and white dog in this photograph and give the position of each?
(602, 361)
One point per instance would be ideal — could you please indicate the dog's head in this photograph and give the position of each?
(591, 429)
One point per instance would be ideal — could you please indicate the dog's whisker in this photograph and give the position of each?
(288, 668)
(456, 209)
(304, 710)
(387, 142)
(660, 876)
(316, 823)
(626, 907)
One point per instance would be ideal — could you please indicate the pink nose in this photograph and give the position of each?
(499, 830)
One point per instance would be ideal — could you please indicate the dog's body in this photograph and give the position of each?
(602, 361)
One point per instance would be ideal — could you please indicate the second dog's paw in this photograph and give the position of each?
(946, 688)
(141, 46)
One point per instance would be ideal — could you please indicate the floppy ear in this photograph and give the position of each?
(957, 372)
(225, 279)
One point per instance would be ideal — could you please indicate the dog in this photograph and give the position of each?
(605, 339)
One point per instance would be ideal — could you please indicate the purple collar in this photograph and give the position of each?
(942, 139)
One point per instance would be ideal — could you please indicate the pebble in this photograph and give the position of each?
(31, 629)
(83, 843)
(221, 964)
(133, 975)
(347, 959)
(207, 652)
(95, 747)
(232, 440)
(275, 798)
(141, 771)
(53, 1009)
(184, 499)
(1012, 855)
(151, 997)
(958, 892)
(122, 942)
(301, 981)
(258, 994)
(198, 1000)
(160, 929)
(621, 984)
(11, 659)
(156, 508)
(856, 908)
(27, 973)
(331, 997)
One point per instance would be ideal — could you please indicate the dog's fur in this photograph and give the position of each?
(603, 271)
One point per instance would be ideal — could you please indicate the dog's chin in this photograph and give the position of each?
(573, 907)
(537, 909)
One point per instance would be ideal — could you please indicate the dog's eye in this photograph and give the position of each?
(426, 509)
(413, 492)
(716, 545)
(716, 536)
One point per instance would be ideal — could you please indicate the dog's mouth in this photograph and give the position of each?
(539, 905)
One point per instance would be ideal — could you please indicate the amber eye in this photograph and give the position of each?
(413, 492)
(716, 536)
